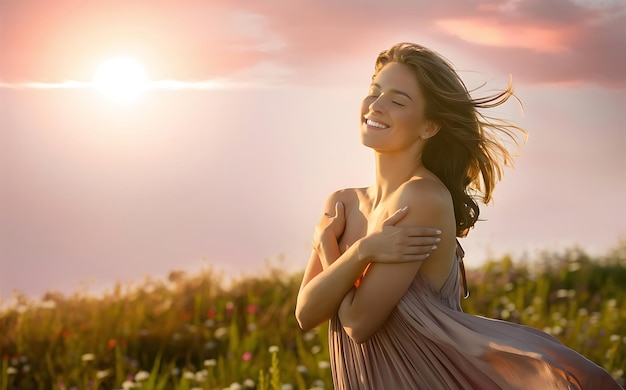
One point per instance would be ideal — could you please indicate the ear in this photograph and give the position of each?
(430, 130)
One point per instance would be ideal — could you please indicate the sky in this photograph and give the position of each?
(249, 118)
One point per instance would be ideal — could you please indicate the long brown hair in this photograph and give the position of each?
(469, 151)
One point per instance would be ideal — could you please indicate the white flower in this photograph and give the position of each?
(249, 383)
(88, 357)
(273, 349)
(316, 349)
(323, 364)
(189, 375)
(11, 370)
(286, 386)
(128, 385)
(221, 332)
(235, 386)
(210, 363)
(102, 374)
(142, 376)
(201, 375)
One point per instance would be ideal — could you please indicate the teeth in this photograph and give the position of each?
(376, 124)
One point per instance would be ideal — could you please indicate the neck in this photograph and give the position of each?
(393, 170)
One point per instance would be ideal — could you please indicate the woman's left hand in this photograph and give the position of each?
(330, 226)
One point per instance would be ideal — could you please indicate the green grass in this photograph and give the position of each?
(192, 332)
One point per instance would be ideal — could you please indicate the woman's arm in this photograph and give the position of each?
(366, 308)
(330, 276)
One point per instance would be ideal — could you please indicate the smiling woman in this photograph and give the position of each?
(120, 79)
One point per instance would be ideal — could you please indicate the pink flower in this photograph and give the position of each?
(246, 356)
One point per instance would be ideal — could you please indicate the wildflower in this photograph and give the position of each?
(201, 375)
(126, 385)
(323, 365)
(318, 383)
(211, 313)
(230, 307)
(302, 369)
(614, 338)
(286, 386)
(210, 363)
(175, 371)
(142, 376)
(102, 373)
(11, 370)
(111, 344)
(252, 308)
(246, 356)
(189, 375)
(251, 327)
(316, 349)
(221, 333)
(88, 357)
(235, 386)
(273, 349)
(249, 383)
(309, 336)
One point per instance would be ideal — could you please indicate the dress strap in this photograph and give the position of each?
(460, 253)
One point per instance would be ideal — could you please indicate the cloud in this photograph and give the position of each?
(561, 41)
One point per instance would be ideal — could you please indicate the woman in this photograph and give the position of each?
(389, 287)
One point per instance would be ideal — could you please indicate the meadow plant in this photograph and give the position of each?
(192, 332)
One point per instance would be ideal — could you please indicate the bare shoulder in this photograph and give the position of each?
(424, 192)
(349, 196)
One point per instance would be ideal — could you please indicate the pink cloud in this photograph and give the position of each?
(540, 42)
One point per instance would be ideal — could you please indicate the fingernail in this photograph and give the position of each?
(339, 203)
(437, 239)
(434, 247)
(438, 231)
(404, 208)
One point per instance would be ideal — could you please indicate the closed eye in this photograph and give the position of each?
(399, 104)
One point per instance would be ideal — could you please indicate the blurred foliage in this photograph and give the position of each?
(196, 332)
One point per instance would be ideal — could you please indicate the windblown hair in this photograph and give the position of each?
(469, 151)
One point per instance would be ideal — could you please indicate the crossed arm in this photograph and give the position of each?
(394, 253)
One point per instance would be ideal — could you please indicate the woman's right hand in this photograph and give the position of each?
(399, 244)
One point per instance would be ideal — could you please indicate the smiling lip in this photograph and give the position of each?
(376, 124)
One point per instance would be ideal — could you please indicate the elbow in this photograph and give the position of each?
(359, 330)
(305, 320)
(358, 334)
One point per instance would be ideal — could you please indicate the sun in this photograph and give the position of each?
(120, 79)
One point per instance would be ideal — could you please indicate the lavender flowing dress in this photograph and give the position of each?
(429, 343)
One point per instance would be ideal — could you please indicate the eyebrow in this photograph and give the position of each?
(394, 91)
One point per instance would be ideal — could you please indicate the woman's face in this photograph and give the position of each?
(392, 114)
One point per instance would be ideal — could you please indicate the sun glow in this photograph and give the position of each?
(120, 79)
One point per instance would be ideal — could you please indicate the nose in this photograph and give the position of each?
(376, 105)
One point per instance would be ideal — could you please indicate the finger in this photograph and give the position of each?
(396, 217)
(339, 209)
(421, 231)
(411, 258)
(422, 241)
(419, 250)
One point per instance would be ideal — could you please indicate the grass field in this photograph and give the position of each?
(192, 332)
